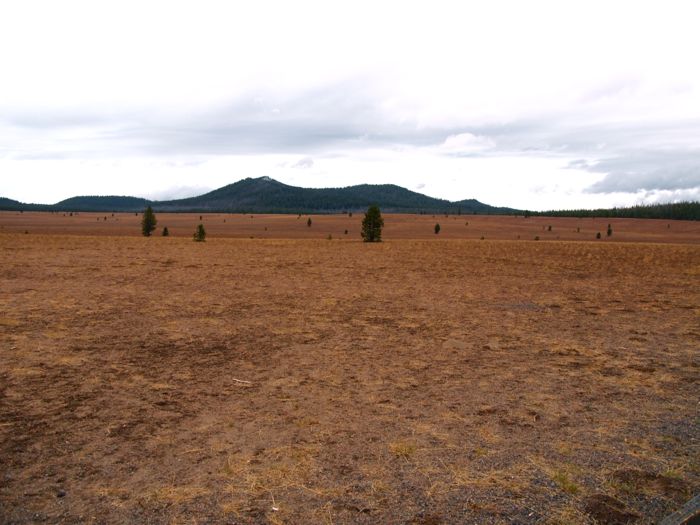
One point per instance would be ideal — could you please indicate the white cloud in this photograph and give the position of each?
(177, 192)
(466, 144)
(304, 163)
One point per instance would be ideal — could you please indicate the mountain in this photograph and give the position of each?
(13, 205)
(9, 204)
(98, 203)
(266, 195)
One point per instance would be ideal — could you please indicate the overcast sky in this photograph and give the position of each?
(535, 105)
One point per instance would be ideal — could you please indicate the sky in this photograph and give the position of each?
(534, 105)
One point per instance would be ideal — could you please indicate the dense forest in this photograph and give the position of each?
(687, 210)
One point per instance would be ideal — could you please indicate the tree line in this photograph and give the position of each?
(687, 210)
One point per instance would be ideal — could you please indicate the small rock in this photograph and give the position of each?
(61, 493)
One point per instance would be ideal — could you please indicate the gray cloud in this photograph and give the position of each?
(342, 115)
(648, 170)
(637, 157)
(305, 163)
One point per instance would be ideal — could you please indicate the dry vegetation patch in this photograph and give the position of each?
(301, 381)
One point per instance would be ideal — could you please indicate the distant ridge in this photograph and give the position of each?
(266, 195)
(98, 203)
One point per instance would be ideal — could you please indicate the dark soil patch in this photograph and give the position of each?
(607, 510)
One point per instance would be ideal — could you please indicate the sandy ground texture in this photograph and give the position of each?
(316, 381)
(412, 227)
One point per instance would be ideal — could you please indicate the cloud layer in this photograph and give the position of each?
(579, 107)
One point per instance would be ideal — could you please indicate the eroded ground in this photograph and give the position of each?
(312, 381)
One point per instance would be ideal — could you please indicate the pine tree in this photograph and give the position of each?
(308, 223)
(148, 222)
(165, 232)
(372, 225)
(200, 235)
(609, 230)
(437, 228)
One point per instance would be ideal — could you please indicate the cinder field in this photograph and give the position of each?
(424, 380)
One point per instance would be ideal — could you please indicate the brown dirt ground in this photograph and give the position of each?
(413, 227)
(312, 381)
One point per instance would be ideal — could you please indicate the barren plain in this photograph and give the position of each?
(424, 380)
(397, 226)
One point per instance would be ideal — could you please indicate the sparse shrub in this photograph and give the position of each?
(482, 237)
(549, 228)
(578, 230)
(609, 232)
(200, 235)
(26, 232)
(71, 214)
(597, 235)
(372, 225)
(565, 483)
(537, 237)
(437, 228)
(166, 232)
(346, 232)
(200, 217)
(308, 223)
(349, 214)
(148, 222)
(330, 237)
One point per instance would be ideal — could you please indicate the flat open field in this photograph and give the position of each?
(313, 381)
(399, 226)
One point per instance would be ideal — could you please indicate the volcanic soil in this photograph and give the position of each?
(159, 380)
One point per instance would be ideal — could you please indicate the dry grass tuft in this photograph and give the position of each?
(403, 449)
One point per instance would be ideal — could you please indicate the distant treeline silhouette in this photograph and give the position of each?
(687, 210)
